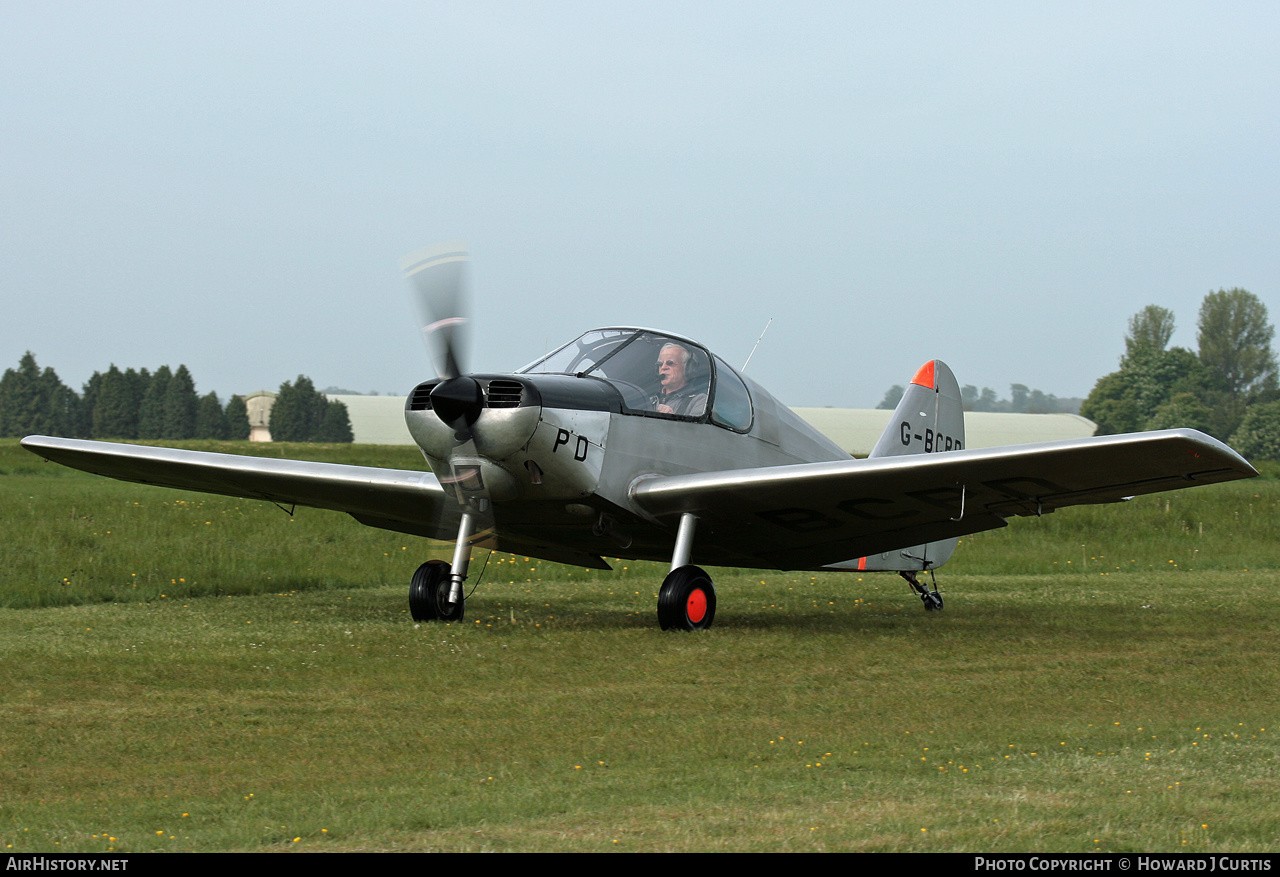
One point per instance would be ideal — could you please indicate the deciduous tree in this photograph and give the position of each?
(892, 397)
(1149, 329)
(1259, 435)
(1235, 342)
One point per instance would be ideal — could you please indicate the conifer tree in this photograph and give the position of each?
(34, 402)
(336, 426)
(300, 414)
(211, 420)
(89, 397)
(18, 389)
(151, 410)
(139, 381)
(296, 414)
(180, 405)
(237, 419)
(115, 406)
(66, 409)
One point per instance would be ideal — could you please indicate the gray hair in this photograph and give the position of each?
(671, 345)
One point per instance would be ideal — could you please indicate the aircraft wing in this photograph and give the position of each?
(810, 515)
(392, 499)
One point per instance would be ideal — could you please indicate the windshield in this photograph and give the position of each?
(655, 373)
(658, 375)
(581, 355)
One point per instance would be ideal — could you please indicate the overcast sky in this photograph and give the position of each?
(999, 185)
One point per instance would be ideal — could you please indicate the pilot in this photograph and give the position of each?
(676, 395)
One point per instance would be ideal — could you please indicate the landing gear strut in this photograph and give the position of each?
(932, 599)
(687, 600)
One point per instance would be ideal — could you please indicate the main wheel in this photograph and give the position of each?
(687, 600)
(429, 594)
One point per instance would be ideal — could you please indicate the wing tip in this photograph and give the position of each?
(1205, 443)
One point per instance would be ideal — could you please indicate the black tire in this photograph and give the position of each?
(429, 594)
(687, 600)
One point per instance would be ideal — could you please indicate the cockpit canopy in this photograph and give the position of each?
(658, 375)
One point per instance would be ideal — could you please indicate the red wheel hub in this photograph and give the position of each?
(696, 607)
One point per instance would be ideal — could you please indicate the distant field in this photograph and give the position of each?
(190, 672)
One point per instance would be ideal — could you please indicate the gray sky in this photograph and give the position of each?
(999, 185)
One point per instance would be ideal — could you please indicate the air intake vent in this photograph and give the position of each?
(420, 399)
(504, 394)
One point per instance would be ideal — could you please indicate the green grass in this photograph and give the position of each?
(74, 538)
(281, 699)
(1221, 527)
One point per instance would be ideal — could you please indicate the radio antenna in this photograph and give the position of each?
(758, 340)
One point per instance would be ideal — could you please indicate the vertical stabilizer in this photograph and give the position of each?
(928, 420)
(930, 417)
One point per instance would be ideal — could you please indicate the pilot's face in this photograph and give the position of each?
(671, 368)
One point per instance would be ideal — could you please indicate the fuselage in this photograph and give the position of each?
(551, 458)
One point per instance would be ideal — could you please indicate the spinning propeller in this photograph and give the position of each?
(440, 276)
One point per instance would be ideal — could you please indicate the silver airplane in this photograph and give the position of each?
(644, 445)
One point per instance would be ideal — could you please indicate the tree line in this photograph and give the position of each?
(1228, 387)
(300, 414)
(1023, 400)
(139, 404)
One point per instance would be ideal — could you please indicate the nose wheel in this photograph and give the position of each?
(435, 591)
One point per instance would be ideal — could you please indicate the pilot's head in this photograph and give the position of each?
(672, 363)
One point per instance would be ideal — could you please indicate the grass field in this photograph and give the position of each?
(187, 672)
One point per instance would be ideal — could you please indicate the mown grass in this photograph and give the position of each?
(1066, 708)
(1223, 526)
(71, 537)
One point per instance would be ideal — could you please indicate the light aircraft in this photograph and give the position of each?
(643, 444)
